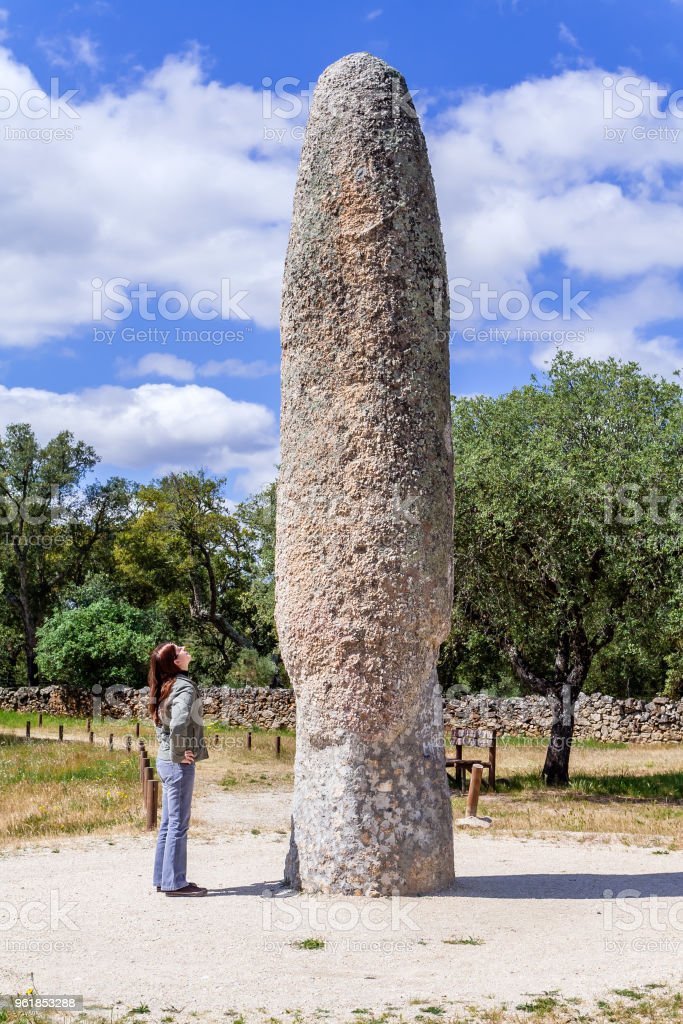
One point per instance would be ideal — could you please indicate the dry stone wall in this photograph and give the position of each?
(598, 716)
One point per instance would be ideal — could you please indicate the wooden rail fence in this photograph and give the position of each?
(148, 784)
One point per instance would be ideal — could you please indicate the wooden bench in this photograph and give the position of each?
(460, 737)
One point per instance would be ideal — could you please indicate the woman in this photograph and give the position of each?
(176, 709)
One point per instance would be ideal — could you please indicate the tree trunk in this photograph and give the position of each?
(28, 624)
(556, 767)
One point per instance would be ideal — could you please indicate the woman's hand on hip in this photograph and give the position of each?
(189, 757)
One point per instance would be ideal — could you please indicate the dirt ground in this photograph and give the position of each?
(526, 917)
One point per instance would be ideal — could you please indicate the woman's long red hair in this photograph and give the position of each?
(161, 676)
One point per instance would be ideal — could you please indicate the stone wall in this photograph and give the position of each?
(250, 705)
(597, 716)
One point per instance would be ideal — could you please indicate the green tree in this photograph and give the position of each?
(52, 528)
(186, 547)
(567, 530)
(95, 638)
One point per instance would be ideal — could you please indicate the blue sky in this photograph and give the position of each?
(166, 160)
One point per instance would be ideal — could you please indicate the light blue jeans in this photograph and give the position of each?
(170, 859)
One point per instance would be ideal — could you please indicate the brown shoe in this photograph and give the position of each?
(191, 884)
(188, 890)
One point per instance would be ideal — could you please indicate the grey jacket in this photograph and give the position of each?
(182, 725)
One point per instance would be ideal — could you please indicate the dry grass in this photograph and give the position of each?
(49, 788)
(633, 791)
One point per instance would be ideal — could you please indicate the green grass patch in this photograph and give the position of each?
(541, 1004)
(666, 786)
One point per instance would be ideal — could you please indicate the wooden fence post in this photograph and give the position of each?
(91, 736)
(111, 740)
(152, 803)
(129, 744)
(473, 794)
(28, 730)
(61, 733)
(278, 746)
(88, 724)
(147, 779)
(137, 728)
(248, 741)
(40, 718)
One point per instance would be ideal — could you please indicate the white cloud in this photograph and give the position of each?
(69, 51)
(171, 183)
(566, 35)
(158, 427)
(238, 368)
(158, 365)
(526, 173)
(625, 325)
(372, 15)
(167, 365)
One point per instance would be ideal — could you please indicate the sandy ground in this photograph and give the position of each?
(550, 914)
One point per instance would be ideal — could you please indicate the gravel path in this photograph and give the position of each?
(536, 905)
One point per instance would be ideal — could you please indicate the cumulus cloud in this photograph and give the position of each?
(167, 365)
(158, 365)
(158, 427)
(529, 173)
(171, 183)
(628, 324)
(183, 182)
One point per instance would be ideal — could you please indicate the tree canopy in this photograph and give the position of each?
(567, 534)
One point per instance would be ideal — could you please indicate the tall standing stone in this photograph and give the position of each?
(365, 494)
